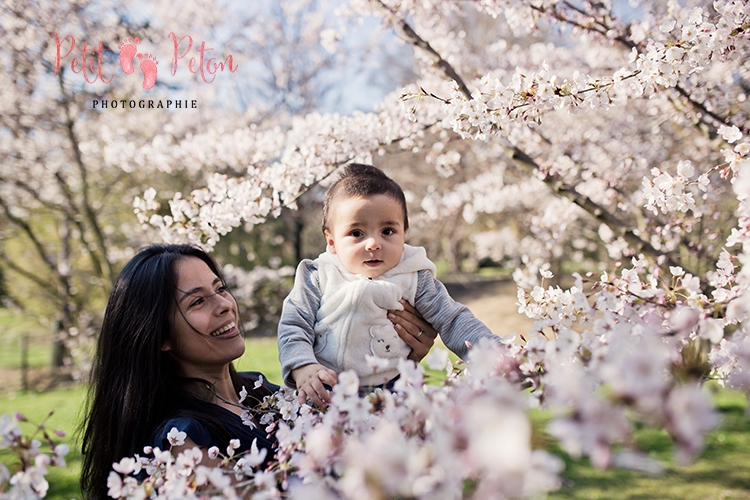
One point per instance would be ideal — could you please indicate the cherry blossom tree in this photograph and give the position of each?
(58, 250)
(610, 135)
(75, 134)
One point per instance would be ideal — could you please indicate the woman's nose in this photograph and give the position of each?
(223, 303)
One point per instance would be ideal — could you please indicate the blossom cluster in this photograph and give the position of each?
(627, 347)
(181, 476)
(281, 167)
(28, 481)
(686, 46)
(467, 438)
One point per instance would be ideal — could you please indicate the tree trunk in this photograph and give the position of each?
(59, 350)
(25, 361)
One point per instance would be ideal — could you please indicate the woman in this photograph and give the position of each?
(164, 358)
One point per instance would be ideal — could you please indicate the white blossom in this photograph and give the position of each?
(176, 437)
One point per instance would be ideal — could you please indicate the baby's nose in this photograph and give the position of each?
(372, 244)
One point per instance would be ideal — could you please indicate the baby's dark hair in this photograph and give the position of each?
(360, 180)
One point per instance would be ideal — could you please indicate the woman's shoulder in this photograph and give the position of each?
(192, 426)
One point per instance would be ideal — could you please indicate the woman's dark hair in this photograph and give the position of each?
(359, 180)
(135, 385)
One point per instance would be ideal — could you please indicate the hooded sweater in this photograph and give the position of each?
(339, 319)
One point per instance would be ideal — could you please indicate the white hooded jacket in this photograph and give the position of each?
(339, 319)
(352, 331)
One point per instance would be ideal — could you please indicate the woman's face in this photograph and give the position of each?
(205, 336)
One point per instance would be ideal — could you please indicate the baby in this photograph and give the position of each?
(335, 317)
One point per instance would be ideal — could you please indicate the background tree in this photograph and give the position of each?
(71, 169)
(547, 147)
(592, 133)
(607, 137)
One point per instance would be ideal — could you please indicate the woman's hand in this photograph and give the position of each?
(414, 330)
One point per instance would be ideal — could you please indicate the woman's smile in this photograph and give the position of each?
(228, 330)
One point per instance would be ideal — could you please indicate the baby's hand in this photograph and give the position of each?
(310, 379)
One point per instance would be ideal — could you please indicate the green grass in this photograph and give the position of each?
(720, 473)
(13, 329)
(261, 355)
(67, 404)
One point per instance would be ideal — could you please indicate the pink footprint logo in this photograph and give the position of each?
(148, 67)
(127, 52)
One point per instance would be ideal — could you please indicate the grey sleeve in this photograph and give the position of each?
(454, 321)
(296, 332)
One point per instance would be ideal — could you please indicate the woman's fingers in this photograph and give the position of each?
(420, 345)
(419, 320)
(414, 330)
(412, 323)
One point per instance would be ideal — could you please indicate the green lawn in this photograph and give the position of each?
(14, 330)
(722, 472)
(261, 355)
(67, 404)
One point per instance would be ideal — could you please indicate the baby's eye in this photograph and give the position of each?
(356, 233)
(389, 231)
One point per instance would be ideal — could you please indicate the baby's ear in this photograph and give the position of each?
(330, 241)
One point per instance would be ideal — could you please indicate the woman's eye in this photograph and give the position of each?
(198, 301)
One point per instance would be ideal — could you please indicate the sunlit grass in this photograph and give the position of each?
(721, 472)
(66, 405)
(15, 330)
(261, 355)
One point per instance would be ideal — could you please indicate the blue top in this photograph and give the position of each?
(231, 423)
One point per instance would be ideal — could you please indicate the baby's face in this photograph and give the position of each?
(367, 233)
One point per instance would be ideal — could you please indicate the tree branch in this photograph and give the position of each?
(26, 228)
(626, 41)
(87, 209)
(69, 209)
(43, 285)
(402, 27)
(528, 164)
(594, 209)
